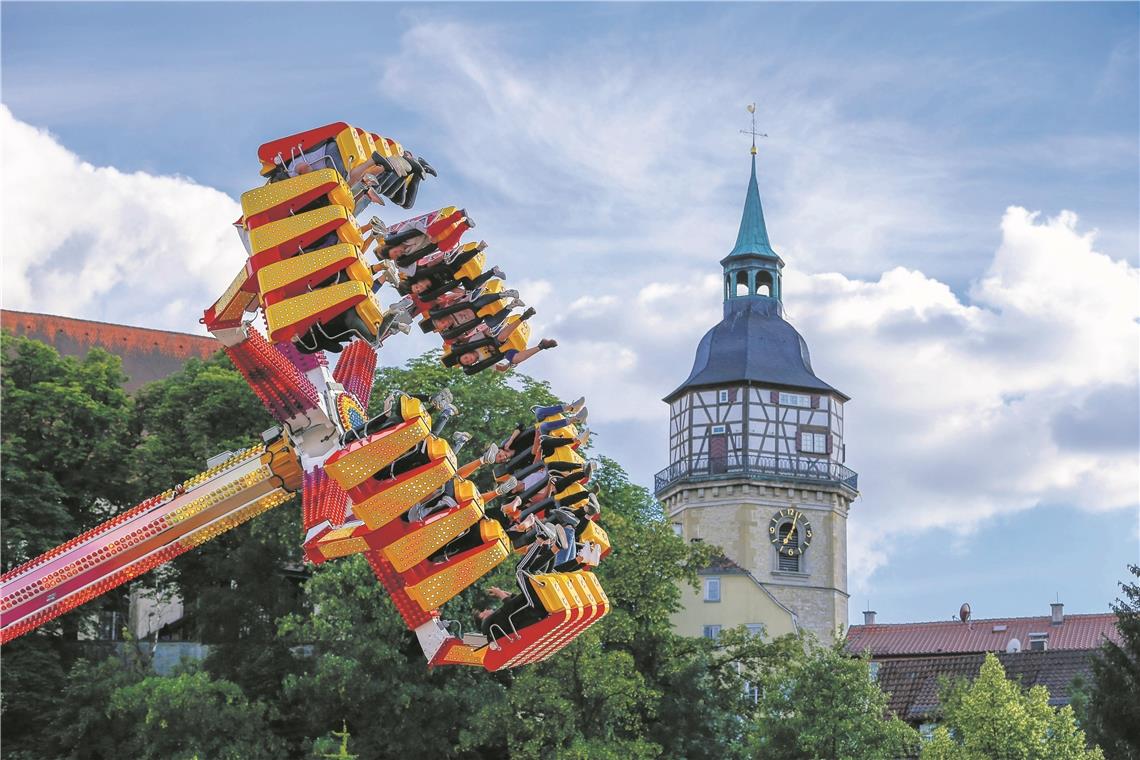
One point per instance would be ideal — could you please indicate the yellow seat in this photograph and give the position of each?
(359, 463)
(437, 589)
(279, 234)
(293, 316)
(352, 151)
(597, 534)
(397, 497)
(311, 268)
(474, 267)
(409, 551)
(305, 187)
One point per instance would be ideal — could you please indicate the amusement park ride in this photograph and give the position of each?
(388, 487)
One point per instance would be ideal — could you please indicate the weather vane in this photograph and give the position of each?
(753, 132)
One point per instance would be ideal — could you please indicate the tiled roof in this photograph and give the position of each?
(722, 565)
(147, 354)
(992, 635)
(912, 683)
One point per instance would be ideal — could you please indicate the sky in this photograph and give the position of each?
(954, 189)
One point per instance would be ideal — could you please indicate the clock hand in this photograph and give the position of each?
(792, 531)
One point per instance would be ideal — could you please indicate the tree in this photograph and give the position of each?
(818, 701)
(64, 445)
(993, 718)
(1112, 714)
(117, 708)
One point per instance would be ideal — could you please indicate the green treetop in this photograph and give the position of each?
(993, 718)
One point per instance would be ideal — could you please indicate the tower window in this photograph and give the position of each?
(741, 288)
(795, 399)
(764, 284)
(718, 430)
(813, 443)
(712, 589)
(786, 563)
(722, 397)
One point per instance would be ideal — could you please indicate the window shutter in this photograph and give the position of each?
(827, 445)
(775, 396)
(815, 402)
(732, 395)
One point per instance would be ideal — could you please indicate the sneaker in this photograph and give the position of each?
(490, 454)
(574, 406)
(375, 223)
(507, 486)
(389, 272)
(592, 505)
(546, 530)
(583, 437)
(460, 438)
(403, 327)
(580, 416)
(509, 293)
(528, 313)
(442, 398)
(498, 272)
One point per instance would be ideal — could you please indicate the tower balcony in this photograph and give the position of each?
(808, 470)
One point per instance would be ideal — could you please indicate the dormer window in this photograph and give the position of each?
(1038, 642)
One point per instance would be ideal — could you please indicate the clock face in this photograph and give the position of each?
(790, 532)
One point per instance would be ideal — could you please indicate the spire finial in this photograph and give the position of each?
(752, 110)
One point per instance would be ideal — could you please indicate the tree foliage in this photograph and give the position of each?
(992, 718)
(818, 701)
(1111, 715)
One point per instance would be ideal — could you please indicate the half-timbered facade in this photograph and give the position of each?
(756, 445)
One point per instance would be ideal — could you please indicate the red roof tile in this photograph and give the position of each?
(908, 639)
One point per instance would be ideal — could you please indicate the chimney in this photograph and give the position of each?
(869, 617)
(1058, 612)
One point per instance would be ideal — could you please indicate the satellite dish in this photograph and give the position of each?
(964, 612)
(1014, 645)
(751, 108)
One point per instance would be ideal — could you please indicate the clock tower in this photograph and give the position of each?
(756, 460)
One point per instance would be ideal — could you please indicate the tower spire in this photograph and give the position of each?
(753, 234)
(752, 268)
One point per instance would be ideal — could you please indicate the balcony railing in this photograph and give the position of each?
(757, 467)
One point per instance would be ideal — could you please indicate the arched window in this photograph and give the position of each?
(741, 288)
(786, 541)
(764, 284)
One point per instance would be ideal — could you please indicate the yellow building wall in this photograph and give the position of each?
(742, 602)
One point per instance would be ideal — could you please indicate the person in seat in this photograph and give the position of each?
(524, 608)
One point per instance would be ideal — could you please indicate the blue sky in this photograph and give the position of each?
(954, 188)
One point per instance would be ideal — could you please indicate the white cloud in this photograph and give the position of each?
(96, 243)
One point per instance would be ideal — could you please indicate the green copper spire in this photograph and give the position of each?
(753, 235)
